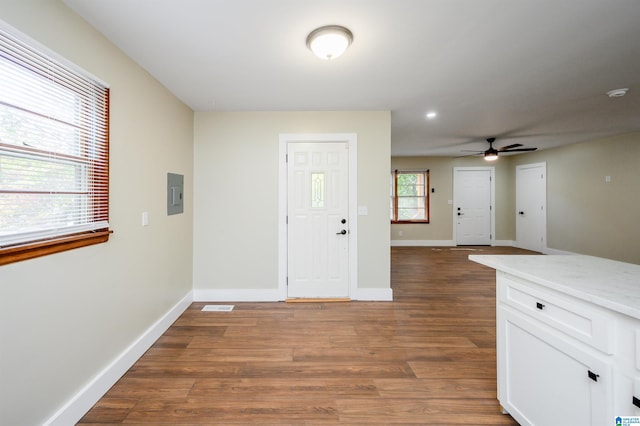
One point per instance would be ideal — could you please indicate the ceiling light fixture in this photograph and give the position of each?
(617, 93)
(329, 42)
(431, 115)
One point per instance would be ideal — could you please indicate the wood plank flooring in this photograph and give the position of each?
(426, 358)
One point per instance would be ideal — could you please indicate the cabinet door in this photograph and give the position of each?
(545, 379)
(626, 394)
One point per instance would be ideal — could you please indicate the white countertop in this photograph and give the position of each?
(610, 284)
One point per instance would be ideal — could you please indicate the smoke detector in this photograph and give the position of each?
(617, 93)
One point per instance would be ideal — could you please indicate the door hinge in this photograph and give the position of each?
(286, 158)
(286, 219)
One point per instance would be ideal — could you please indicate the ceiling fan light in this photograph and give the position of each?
(491, 155)
(329, 42)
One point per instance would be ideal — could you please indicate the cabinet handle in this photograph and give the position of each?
(636, 401)
(593, 376)
(539, 305)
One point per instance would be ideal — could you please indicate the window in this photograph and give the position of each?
(54, 154)
(409, 197)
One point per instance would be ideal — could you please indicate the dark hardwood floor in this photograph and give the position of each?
(426, 358)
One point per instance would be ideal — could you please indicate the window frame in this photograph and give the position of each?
(22, 51)
(395, 198)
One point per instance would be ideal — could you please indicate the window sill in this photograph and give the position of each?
(395, 222)
(43, 248)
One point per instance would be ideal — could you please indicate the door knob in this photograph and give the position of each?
(521, 213)
(460, 214)
(343, 232)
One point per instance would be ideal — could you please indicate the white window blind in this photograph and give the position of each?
(54, 147)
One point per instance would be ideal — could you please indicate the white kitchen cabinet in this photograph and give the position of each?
(568, 336)
(538, 367)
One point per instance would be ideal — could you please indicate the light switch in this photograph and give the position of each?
(363, 210)
(145, 218)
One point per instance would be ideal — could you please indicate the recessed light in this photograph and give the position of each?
(431, 115)
(617, 93)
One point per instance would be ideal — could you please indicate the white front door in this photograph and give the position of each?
(531, 206)
(318, 220)
(472, 193)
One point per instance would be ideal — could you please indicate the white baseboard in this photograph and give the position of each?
(238, 295)
(82, 402)
(441, 243)
(422, 243)
(274, 295)
(374, 294)
(503, 243)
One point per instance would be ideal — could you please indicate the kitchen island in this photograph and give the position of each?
(568, 338)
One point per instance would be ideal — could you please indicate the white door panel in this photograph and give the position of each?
(318, 213)
(531, 206)
(472, 205)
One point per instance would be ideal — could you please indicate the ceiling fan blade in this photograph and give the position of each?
(508, 147)
(521, 150)
(471, 150)
(469, 155)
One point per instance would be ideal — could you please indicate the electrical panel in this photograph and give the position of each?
(175, 193)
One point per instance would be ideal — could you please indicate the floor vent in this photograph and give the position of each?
(217, 308)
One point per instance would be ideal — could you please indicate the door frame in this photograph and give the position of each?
(492, 170)
(351, 139)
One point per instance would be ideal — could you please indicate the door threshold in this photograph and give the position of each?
(318, 300)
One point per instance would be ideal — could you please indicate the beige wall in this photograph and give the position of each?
(585, 214)
(236, 194)
(440, 227)
(65, 317)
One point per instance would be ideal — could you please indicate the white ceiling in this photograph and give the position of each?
(534, 72)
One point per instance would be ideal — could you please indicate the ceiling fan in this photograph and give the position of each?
(491, 154)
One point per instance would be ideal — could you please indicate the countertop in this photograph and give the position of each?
(607, 283)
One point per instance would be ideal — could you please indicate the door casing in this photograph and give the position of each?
(351, 139)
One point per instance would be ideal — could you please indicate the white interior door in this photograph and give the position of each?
(317, 220)
(472, 193)
(531, 206)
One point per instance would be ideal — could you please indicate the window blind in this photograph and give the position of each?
(54, 147)
(409, 196)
